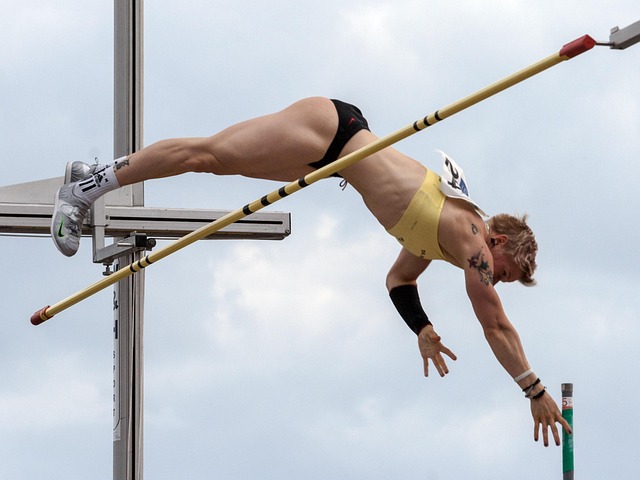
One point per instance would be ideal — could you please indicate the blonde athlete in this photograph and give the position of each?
(409, 201)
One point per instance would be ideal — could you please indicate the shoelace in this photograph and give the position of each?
(73, 229)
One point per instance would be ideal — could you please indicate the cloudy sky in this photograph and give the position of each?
(286, 360)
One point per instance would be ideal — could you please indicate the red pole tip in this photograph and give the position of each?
(40, 316)
(577, 47)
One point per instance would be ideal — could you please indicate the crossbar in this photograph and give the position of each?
(567, 52)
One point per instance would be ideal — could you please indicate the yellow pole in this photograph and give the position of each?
(570, 50)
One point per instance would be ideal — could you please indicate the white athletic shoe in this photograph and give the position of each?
(76, 171)
(66, 222)
(69, 210)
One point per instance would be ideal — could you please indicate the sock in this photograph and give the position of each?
(102, 181)
(118, 163)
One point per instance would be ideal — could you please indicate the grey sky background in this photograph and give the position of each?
(286, 359)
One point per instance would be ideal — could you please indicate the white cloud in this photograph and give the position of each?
(310, 291)
(56, 395)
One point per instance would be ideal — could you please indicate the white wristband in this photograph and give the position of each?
(523, 375)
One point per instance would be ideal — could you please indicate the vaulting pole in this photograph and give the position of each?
(567, 52)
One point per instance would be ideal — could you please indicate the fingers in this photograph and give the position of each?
(431, 349)
(565, 424)
(425, 361)
(544, 426)
(439, 363)
(545, 433)
(556, 435)
(449, 353)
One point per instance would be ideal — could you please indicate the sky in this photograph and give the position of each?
(286, 359)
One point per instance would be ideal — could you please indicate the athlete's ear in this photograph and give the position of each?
(500, 239)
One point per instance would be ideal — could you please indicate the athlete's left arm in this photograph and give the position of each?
(402, 284)
(505, 341)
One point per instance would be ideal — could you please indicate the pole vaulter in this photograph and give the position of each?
(567, 52)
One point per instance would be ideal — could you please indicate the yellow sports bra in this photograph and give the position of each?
(417, 229)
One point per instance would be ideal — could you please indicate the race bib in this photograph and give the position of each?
(453, 182)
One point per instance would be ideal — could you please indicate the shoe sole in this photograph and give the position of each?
(55, 227)
(54, 233)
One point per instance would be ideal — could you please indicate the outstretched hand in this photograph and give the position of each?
(545, 414)
(431, 348)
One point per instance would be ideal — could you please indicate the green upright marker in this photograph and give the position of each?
(567, 439)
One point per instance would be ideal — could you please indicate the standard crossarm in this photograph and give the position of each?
(161, 223)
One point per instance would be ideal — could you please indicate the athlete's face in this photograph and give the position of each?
(504, 268)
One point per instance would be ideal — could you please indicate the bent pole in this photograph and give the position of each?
(567, 52)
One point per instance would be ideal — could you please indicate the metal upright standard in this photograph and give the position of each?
(567, 439)
(128, 296)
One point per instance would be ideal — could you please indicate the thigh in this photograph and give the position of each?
(278, 146)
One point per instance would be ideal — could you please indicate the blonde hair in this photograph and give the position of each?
(521, 246)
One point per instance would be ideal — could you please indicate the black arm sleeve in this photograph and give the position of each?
(407, 302)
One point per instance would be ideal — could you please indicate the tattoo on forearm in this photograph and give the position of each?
(478, 262)
(123, 163)
(474, 229)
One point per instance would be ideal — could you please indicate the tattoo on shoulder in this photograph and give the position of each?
(474, 229)
(479, 263)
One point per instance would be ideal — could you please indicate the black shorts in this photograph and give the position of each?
(350, 122)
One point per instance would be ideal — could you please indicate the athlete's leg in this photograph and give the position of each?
(276, 147)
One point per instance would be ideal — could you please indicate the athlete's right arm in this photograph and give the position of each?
(403, 289)
(406, 270)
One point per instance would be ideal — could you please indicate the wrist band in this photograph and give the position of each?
(538, 395)
(407, 302)
(527, 390)
(523, 375)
